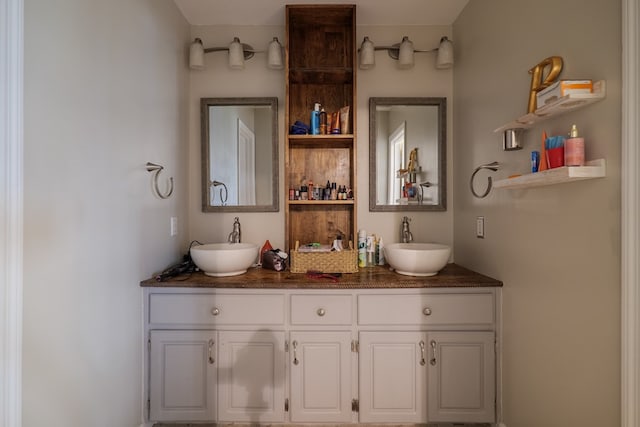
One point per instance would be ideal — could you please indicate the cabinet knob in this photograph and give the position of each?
(321, 312)
(426, 311)
(215, 311)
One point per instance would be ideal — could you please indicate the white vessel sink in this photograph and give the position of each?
(417, 259)
(224, 259)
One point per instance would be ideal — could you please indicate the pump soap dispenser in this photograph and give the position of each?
(574, 149)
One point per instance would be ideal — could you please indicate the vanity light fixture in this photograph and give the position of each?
(403, 53)
(238, 53)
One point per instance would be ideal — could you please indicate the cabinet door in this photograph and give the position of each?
(461, 377)
(251, 376)
(320, 376)
(182, 376)
(393, 377)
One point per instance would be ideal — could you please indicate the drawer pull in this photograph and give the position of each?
(321, 312)
(426, 311)
(211, 359)
(215, 311)
(433, 353)
(295, 347)
(422, 361)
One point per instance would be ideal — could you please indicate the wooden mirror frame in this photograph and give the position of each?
(441, 103)
(205, 103)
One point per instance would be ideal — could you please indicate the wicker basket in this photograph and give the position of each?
(345, 261)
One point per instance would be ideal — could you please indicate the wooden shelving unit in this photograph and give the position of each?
(593, 169)
(320, 67)
(560, 106)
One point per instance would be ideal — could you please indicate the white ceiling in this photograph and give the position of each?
(370, 12)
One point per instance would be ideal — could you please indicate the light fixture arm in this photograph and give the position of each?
(394, 50)
(247, 50)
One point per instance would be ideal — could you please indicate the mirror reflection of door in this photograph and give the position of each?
(246, 165)
(397, 145)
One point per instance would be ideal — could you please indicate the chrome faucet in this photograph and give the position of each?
(234, 236)
(405, 233)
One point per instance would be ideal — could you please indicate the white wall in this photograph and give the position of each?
(105, 92)
(256, 80)
(556, 248)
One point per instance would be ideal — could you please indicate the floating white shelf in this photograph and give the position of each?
(593, 169)
(557, 107)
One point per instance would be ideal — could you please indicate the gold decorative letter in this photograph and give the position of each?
(554, 65)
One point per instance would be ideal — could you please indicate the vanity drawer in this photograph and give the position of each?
(321, 310)
(426, 309)
(214, 309)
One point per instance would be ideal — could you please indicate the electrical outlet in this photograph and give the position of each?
(480, 227)
(174, 226)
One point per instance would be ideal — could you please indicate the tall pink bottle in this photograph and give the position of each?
(574, 149)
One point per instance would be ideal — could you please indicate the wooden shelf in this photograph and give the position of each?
(310, 141)
(321, 202)
(560, 106)
(593, 169)
(327, 137)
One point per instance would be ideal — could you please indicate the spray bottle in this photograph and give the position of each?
(362, 248)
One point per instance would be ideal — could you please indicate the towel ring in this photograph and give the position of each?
(223, 197)
(491, 166)
(156, 169)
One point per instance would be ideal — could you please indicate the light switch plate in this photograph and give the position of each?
(174, 226)
(480, 227)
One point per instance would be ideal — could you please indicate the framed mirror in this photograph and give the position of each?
(239, 154)
(407, 154)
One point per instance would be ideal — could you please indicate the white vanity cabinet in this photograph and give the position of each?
(443, 372)
(215, 355)
(334, 356)
(320, 366)
(321, 357)
(393, 377)
(182, 375)
(461, 376)
(251, 376)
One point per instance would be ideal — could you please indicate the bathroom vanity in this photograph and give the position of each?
(370, 347)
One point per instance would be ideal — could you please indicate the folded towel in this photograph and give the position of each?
(299, 128)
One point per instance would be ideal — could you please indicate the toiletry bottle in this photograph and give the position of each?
(371, 248)
(335, 123)
(574, 149)
(315, 119)
(310, 190)
(381, 260)
(327, 191)
(323, 122)
(334, 191)
(362, 248)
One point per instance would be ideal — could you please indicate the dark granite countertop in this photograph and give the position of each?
(452, 276)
